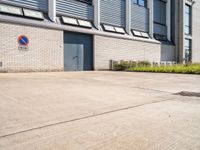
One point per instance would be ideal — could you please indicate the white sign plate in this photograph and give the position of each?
(23, 48)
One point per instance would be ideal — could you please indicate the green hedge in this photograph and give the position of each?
(186, 68)
(145, 66)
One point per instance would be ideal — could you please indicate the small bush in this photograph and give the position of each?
(125, 65)
(122, 66)
(143, 64)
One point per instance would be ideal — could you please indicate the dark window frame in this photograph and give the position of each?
(89, 2)
(189, 15)
(160, 37)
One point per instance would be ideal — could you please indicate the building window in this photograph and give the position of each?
(187, 19)
(160, 12)
(160, 28)
(188, 51)
(140, 2)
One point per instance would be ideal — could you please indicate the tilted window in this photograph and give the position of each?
(140, 34)
(111, 28)
(33, 14)
(10, 10)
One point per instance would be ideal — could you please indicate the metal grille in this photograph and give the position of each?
(74, 8)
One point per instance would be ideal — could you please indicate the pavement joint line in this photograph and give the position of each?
(153, 90)
(82, 118)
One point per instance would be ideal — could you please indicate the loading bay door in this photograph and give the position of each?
(78, 52)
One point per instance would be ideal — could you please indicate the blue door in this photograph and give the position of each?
(78, 52)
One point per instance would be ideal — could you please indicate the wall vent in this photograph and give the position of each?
(1, 64)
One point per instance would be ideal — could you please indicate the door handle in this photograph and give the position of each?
(75, 57)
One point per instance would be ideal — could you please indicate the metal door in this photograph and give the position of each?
(73, 57)
(78, 53)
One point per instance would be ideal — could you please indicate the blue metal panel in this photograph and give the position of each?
(113, 12)
(74, 8)
(41, 5)
(139, 18)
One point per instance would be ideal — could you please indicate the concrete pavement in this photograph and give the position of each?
(99, 110)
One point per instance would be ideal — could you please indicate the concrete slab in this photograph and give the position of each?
(98, 110)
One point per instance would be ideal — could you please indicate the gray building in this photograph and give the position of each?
(69, 35)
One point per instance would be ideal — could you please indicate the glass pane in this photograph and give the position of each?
(108, 28)
(188, 52)
(10, 9)
(187, 19)
(33, 14)
(142, 2)
(187, 30)
(187, 9)
(68, 20)
(84, 23)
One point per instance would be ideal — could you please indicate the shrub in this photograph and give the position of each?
(125, 65)
(180, 68)
(143, 64)
(122, 66)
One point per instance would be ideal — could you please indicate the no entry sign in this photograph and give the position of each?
(23, 40)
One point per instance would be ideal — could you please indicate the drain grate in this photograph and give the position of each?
(187, 93)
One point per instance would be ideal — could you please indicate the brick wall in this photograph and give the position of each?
(45, 49)
(106, 48)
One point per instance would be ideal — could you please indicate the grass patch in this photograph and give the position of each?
(180, 68)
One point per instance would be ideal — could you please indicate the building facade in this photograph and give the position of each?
(70, 35)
